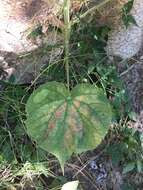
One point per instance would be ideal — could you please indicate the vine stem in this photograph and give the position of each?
(67, 28)
(91, 10)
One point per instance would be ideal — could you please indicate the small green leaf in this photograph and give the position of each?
(129, 167)
(70, 185)
(132, 115)
(129, 19)
(63, 122)
(141, 139)
(128, 6)
(139, 166)
(91, 68)
(126, 16)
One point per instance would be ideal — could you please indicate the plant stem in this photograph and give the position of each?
(67, 27)
(90, 11)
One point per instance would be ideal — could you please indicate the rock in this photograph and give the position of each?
(22, 56)
(17, 16)
(126, 42)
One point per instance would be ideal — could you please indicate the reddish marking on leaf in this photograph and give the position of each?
(74, 122)
(69, 140)
(57, 115)
(51, 126)
(77, 103)
(82, 108)
(78, 100)
(60, 111)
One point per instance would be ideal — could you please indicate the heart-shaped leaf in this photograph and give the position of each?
(63, 122)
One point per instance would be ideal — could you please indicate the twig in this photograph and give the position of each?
(91, 10)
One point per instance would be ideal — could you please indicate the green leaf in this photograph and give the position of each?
(63, 122)
(70, 185)
(141, 139)
(133, 116)
(128, 6)
(126, 16)
(139, 166)
(129, 167)
(129, 19)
